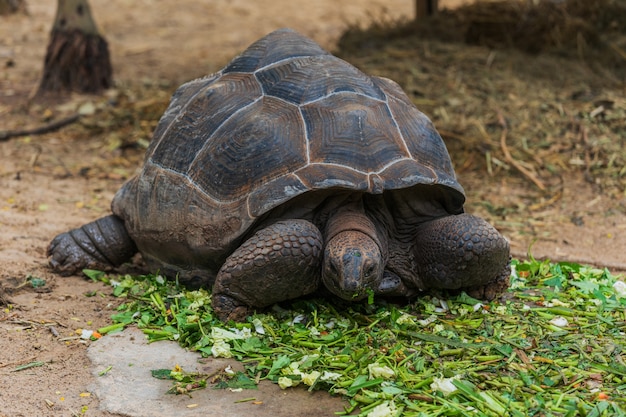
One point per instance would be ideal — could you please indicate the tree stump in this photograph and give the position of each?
(12, 6)
(425, 8)
(77, 57)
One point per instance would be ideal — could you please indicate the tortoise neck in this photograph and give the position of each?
(352, 217)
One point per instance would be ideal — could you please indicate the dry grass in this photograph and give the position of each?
(589, 30)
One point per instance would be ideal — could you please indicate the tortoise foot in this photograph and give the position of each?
(101, 244)
(462, 252)
(278, 263)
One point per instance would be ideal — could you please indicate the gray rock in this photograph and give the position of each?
(129, 389)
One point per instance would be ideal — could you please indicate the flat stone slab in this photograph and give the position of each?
(129, 389)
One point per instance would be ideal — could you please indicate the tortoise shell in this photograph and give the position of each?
(285, 120)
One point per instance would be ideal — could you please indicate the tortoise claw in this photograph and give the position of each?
(67, 257)
(227, 308)
(493, 289)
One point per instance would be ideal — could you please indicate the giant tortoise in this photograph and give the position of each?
(290, 171)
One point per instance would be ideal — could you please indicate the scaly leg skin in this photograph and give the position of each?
(101, 244)
(278, 263)
(463, 252)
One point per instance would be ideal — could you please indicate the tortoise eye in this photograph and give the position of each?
(333, 268)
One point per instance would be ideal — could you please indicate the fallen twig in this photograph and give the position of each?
(450, 134)
(4, 365)
(50, 127)
(510, 160)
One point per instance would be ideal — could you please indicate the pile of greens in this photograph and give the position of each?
(552, 346)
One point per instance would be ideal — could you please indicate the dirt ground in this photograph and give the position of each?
(60, 180)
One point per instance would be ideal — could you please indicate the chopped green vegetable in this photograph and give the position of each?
(552, 346)
(36, 282)
(106, 370)
(94, 275)
(184, 382)
(161, 373)
(29, 365)
(238, 380)
(245, 400)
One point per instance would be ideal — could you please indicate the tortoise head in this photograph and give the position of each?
(353, 265)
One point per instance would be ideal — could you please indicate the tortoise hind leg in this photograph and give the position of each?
(101, 244)
(463, 252)
(278, 263)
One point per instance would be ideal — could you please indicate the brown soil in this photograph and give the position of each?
(60, 180)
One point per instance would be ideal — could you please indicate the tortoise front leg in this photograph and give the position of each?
(463, 252)
(101, 244)
(278, 263)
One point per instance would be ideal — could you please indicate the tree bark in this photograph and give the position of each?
(77, 57)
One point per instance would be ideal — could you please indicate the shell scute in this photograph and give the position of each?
(302, 80)
(269, 195)
(179, 140)
(255, 146)
(325, 176)
(277, 46)
(424, 144)
(354, 131)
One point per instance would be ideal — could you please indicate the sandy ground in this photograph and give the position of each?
(57, 181)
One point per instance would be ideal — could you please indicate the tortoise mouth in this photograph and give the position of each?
(347, 294)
